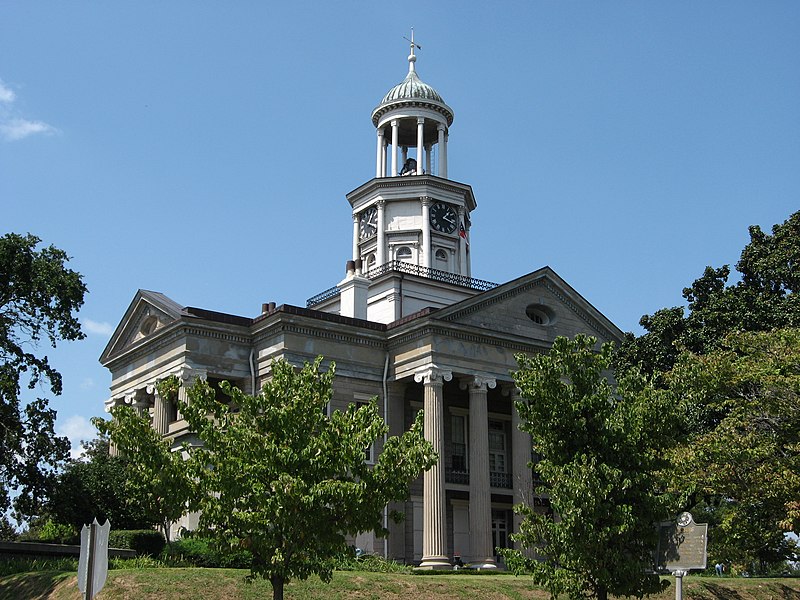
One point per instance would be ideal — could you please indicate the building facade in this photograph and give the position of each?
(407, 324)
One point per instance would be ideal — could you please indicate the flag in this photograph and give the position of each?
(463, 233)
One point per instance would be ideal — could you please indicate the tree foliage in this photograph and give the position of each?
(742, 453)
(158, 482)
(286, 481)
(601, 447)
(96, 487)
(39, 297)
(763, 299)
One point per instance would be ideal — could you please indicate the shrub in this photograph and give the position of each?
(145, 542)
(203, 552)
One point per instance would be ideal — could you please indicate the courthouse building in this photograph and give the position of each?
(408, 323)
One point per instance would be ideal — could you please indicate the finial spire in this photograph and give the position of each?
(411, 57)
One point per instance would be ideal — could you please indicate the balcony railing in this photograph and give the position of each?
(411, 269)
(497, 480)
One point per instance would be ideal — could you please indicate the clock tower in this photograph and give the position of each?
(411, 222)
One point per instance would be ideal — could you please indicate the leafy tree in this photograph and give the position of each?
(765, 298)
(39, 297)
(601, 447)
(158, 483)
(96, 487)
(284, 480)
(742, 453)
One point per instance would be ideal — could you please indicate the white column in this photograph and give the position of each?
(444, 153)
(462, 244)
(378, 155)
(428, 158)
(426, 231)
(160, 411)
(480, 497)
(442, 166)
(395, 136)
(355, 238)
(381, 255)
(420, 142)
(434, 534)
(520, 457)
(383, 156)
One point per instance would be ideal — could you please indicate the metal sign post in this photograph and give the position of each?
(93, 560)
(681, 548)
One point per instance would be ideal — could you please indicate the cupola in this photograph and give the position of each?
(412, 115)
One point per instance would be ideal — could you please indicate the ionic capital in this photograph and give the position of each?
(478, 382)
(433, 375)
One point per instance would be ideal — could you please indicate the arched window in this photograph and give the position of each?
(403, 253)
(371, 262)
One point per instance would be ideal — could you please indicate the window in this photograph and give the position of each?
(371, 262)
(441, 255)
(497, 447)
(403, 253)
(540, 314)
(369, 453)
(458, 458)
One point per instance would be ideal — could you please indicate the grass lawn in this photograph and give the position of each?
(219, 584)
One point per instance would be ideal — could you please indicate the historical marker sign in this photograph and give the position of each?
(682, 545)
(93, 560)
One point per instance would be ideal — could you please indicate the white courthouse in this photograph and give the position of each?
(408, 323)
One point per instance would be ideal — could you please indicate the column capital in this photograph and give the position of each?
(394, 122)
(477, 382)
(441, 127)
(381, 203)
(380, 132)
(426, 200)
(355, 218)
(433, 375)
(420, 120)
(509, 389)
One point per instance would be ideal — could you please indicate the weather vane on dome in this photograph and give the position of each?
(413, 43)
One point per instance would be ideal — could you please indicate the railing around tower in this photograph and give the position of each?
(496, 480)
(411, 269)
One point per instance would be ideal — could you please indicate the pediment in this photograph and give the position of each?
(538, 306)
(148, 313)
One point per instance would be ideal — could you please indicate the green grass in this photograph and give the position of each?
(220, 584)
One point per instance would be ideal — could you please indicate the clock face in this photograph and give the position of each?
(368, 223)
(443, 218)
(684, 519)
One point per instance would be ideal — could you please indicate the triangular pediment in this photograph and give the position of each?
(148, 313)
(539, 306)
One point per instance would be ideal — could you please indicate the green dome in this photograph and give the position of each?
(412, 88)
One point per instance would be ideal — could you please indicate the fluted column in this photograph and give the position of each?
(381, 257)
(395, 137)
(420, 143)
(520, 457)
(434, 533)
(160, 411)
(480, 497)
(426, 231)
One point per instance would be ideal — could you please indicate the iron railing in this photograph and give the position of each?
(496, 480)
(411, 269)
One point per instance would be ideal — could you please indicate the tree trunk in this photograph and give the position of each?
(277, 587)
(602, 592)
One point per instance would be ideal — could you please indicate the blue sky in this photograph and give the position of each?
(203, 149)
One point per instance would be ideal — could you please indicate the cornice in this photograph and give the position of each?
(470, 336)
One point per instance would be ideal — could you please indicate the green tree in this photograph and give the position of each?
(96, 486)
(286, 481)
(601, 447)
(763, 299)
(742, 452)
(158, 482)
(39, 299)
